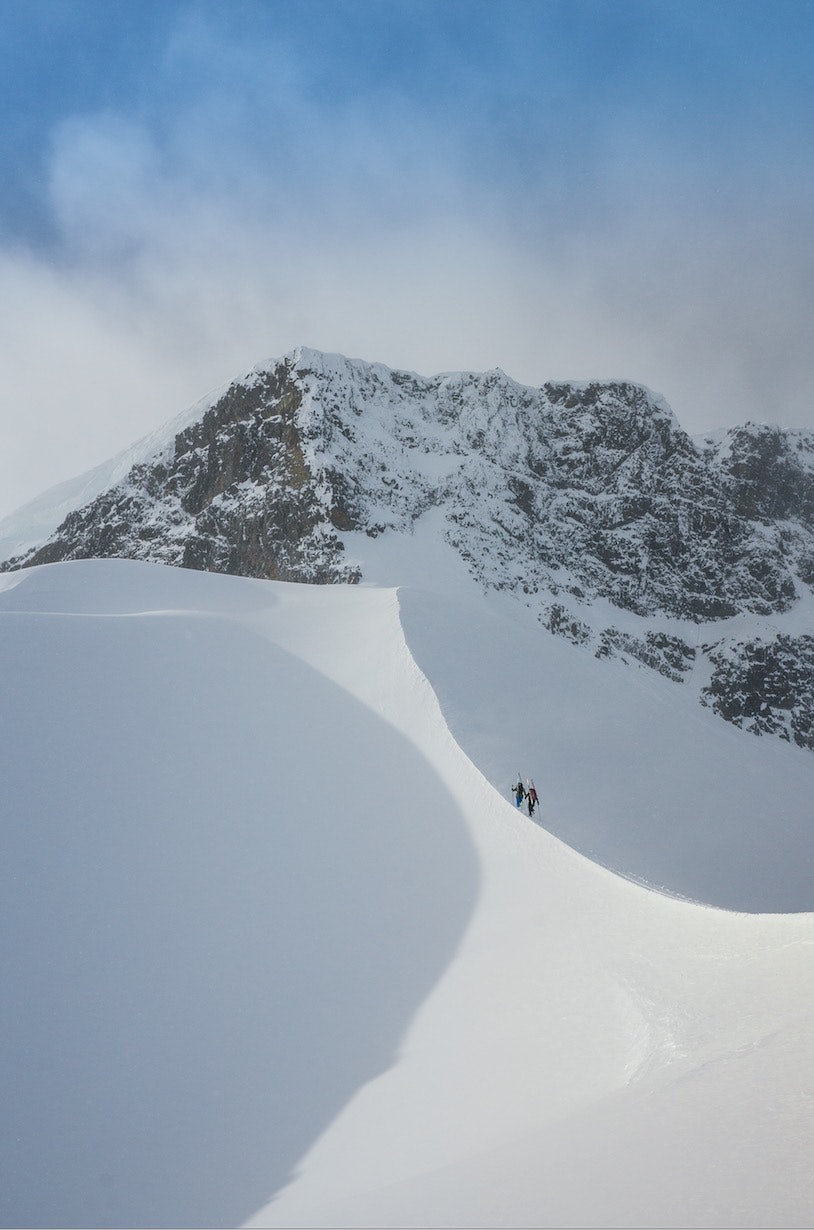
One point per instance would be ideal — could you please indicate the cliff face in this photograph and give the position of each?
(234, 494)
(573, 497)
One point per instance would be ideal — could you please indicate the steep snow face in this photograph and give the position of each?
(587, 502)
(589, 491)
(226, 885)
(24, 530)
(269, 934)
(629, 769)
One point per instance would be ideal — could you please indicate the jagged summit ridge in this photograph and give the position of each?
(567, 495)
(588, 490)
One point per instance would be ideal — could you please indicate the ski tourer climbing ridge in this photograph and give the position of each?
(527, 792)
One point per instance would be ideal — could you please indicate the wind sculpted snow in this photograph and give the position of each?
(213, 859)
(629, 769)
(271, 934)
(597, 1053)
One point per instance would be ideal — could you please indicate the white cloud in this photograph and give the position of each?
(250, 219)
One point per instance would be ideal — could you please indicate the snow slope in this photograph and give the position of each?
(276, 950)
(203, 898)
(34, 521)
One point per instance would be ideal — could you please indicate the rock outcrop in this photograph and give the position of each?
(572, 496)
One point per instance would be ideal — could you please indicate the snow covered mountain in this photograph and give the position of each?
(587, 502)
(278, 948)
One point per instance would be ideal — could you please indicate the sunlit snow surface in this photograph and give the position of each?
(272, 927)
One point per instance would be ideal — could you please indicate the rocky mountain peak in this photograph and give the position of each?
(568, 496)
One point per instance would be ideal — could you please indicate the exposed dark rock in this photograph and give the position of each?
(766, 687)
(561, 622)
(562, 495)
(767, 474)
(668, 655)
(236, 496)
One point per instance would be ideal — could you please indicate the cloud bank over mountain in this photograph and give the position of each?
(544, 192)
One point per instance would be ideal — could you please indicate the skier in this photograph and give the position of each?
(519, 791)
(531, 795)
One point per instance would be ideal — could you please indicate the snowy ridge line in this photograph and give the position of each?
(29, 525)
(585, 502)
(592, 741)
(419, 1008)
(595, 859)
(663, 891)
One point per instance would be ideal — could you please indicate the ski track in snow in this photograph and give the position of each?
(274, 929)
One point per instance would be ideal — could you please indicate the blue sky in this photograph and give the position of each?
(580, 189)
